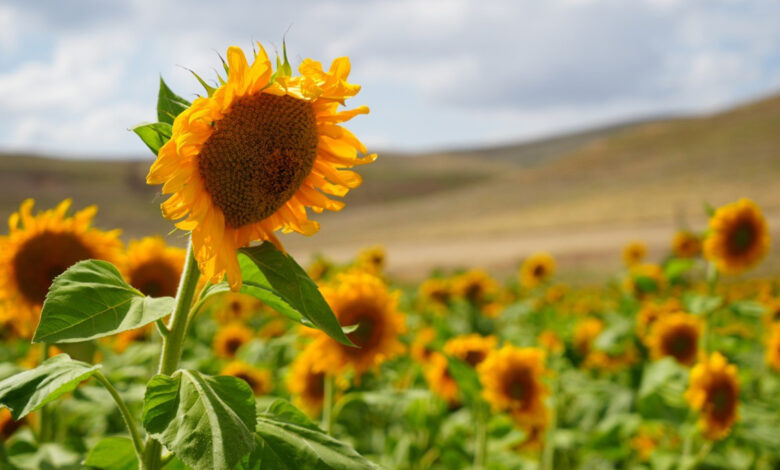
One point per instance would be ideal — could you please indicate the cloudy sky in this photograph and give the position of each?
(75, 75)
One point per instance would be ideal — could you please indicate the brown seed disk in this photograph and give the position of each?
(258, 156)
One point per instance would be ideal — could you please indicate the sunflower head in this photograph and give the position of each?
(713, 391)
(422, 345)
(738, 237)
(230, 338)
(550, 342)
(676, 335)
(153, 267)
(686, 244)
(645, 280)
(436, 291)
(372, 259)
(362, 300)
(320, 268)
(611, 361)
(650, 312)
(39, 248)
(306, 380)
(258, 379)
(475, 286)
(511, 378)
(773, 348)
(233, 307)
(771, 311)
(123, 340)
(536, 269)
(7, 424)
(440, 381)
(249, 158)
(585, 333)
(634, 252)
(471, 349)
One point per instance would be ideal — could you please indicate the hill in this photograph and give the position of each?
(580, 196)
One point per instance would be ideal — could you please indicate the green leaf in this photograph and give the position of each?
(30, 390)
(748, 308)
(169, 104)
(677, 267)
(115, 453)
(154, 135)
(292, 442)
(701, 304)
(466, 378)
(657, 374)
(265, 267)
(206, 421)
(91, 300)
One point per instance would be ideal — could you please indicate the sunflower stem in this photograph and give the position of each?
(173, 343)
(46, 432)
(132, 428)
(327, 405)
(548, 454)
(480, 450)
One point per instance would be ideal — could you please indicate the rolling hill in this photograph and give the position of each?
(580, 196)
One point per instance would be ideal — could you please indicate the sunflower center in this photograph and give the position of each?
(44, 257)
(519, 387)
(155, 279)
(258, 156)
(315, 384)
(538, 271)
(248, 379)
(473, 358)
(722, 400)
(232, 345)
(364, 334)
(682, 346)
(742, 238)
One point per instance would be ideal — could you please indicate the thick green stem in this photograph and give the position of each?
(46, 431)
(548, 455)
(480, 446)
(327, 405)
(173, 342)
(126, 415)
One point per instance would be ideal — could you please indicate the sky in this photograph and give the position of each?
(437, 74)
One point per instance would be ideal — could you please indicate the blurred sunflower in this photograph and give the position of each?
(773, 348)
(320, 268)
(306, 380)
(229, 339)
(511, 378)
(550, 342)
(645, 442)
(249, 159)
(585, 333)
(422, 345)
(441, 383)
(713, 391)
(676, 335)
(686, 244)
(644, 280)
(634, 253)
(555, 293)
(475, 286)
(372, 259)
(7, 424)
(536, 269)
(123, 340)
(153, 267)
(273, 328)
(232, 307)
(436, 291)
(611, 361)
(738, 237)
(362, 299)
(39, 248)
(650, 312)
(258, 379)
(534, 435)
(471, 349)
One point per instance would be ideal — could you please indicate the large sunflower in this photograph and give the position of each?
(536, 269)
(676, 335)
(714, 392)
(471, 349)
(738, 238)
(249, 159)
(511, 378)
(153, 267)
(38, 249)
(361, 299)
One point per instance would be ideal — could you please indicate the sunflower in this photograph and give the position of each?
(713, 391)
(650, 313)
(511, 380)
(585, 333)
(773, 348)
(234, 307)
(441, 383)
(536, 269)
(686, 244)
(422, 345)
(645, 442)
(124, 339)
(555, 293)
(676, 335)
(258, 379)
(609, 361)
(475, 286)
(436, 291)
(738, 237)
(7, 424)
(634, 252)
(362, 299)
(372, 259)
(644, 280)
(320, 268)
(153, 267)
(249, 159)
(306, 380)
(471, 349)
(550, 342)
(230, 338)
(38, 249)
(534, 435)
(273, 328)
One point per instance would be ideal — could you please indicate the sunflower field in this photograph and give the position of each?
(230, 354)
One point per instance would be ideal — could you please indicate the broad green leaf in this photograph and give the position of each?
(657, 374)
(466, 378)
(30, 390)
(676, 267)
(115, 453)
(169, 104)
(265, 266)
(292, 442)
(748, 308)
(154, 135)
(206, 421)
(701, 304)
(91, 300)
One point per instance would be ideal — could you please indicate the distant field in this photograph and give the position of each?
(579, 196)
